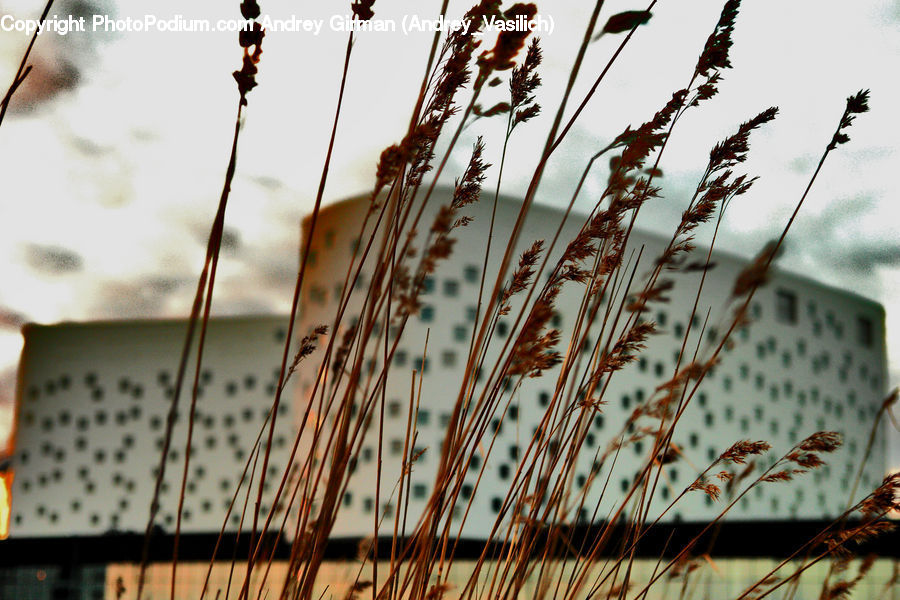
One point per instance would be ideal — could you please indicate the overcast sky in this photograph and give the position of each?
(112, 159)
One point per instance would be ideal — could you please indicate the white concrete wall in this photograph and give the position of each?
(93, 401)
(781, 382)
(93, 397)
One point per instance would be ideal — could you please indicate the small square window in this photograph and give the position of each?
(786, 306)
(448, 358)
(502, 328)
(427, 313)
(451, 287)
(471, 272)
(394, 408)
(544, 398)
(864, 332)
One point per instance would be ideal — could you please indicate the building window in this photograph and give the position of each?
(459, 333)
(864, 332)
(502, 328)
(470, 272)
(544, 398)
(427, 314)
(451, 288)
(786, 306)
(317, 294)
(471, 312)
(448, 358)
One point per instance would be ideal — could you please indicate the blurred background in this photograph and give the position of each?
(113, 153)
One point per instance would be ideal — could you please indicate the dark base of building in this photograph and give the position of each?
(748, 539)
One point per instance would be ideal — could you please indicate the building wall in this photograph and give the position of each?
(814, 359)
(93, 398)
(91, 418)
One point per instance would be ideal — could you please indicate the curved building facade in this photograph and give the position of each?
(93, 398)
(813, 359)
(92, 406)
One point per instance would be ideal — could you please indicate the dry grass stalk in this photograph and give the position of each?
(538, 516)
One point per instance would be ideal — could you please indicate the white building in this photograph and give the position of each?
(814, 359)
(93, 397)
(91, 420)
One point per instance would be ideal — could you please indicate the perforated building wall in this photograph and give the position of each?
(93, 397)
(814, 359)
(91, 419)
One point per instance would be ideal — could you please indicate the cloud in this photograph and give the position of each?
(866, 258)
(49, 76)
(145, 298)
(10, 319)
(231, 240)
(57, 61)
(53, 260)
(839, 238)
